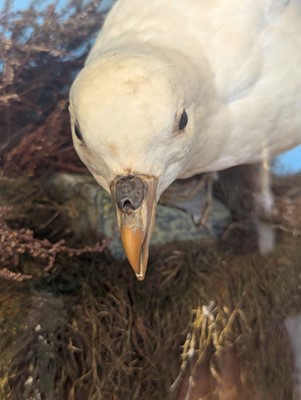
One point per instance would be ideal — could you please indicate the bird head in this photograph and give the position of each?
(132, 125)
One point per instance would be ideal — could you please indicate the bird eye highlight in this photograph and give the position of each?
(78, 133)
(183, 120)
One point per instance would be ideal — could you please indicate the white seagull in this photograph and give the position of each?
(174, 88)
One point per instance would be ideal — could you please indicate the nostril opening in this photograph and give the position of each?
(126, 205)
(130, 193)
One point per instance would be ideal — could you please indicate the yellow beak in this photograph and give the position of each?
(135, 199)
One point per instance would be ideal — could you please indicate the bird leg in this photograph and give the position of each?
(193, 195)
(246, 190)
(208, 178)
(264, 208)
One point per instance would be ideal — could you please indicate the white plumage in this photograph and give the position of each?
(232, 66)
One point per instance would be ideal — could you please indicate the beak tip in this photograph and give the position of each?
(136, 224)
(140, 271)
(140, 276)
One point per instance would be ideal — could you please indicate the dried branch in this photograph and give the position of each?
(16, 242)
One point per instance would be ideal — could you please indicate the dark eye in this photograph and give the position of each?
(78, 132)
(183, 120)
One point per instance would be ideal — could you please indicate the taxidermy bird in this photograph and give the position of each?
(172, 89)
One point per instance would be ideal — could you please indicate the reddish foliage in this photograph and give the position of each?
(41, 50)
(15, 242)
(48, 145)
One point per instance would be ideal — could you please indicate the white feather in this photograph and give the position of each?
(234, 65)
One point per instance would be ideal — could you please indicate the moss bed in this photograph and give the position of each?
(206, 318)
